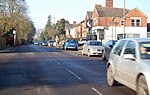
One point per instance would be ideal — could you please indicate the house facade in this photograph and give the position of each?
(70, 30)
(111, 23)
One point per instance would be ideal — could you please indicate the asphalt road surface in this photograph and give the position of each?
(41, 70)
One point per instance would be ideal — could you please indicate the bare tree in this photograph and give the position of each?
(14, 15)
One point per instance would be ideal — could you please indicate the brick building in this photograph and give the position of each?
(111, 23)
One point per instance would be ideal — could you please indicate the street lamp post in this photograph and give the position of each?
(14, 33)
(124, 15)
(112, 27)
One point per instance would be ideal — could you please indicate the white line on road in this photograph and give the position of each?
(99, 93)
(81, 67)
(55, 60)
(49, 56)
(73, 74)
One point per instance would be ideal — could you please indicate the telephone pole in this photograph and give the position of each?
(124, 15)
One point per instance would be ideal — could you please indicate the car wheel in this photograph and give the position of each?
(110, 77)
(142, 88)
(76, 49)
(89, 54)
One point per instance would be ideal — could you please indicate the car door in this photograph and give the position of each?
(128, 67)
(116, 57)
(87, 47)
(107, 49)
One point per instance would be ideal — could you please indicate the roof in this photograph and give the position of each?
(137, 39)
(69, 26)
(111, 12)
(93, 41)
(89, 13)
(137, 10)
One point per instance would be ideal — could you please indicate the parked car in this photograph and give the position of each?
(36, 43)
(92, 47)
(107, 49)
(82, 41)
(70, 44)
(51, 43)
(129, 64)
(44, 43)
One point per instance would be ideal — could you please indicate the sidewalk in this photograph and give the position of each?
(8, 50)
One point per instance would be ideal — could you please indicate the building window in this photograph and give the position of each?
(135, 22)
(132, 22)
(122, 22)
(133, 35)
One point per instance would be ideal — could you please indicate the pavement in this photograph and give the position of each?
(8, 50)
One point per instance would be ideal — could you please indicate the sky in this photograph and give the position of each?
(74, 10)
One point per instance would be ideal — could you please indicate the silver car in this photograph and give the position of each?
(107, 49)
(129, 64)
(92, 47)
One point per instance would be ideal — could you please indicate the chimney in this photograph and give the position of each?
(74, 23)
(109, 3)
(98, 5)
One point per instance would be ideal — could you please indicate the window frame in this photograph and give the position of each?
(136, 22)
(119, 47)
(129, 46)
(122, 22)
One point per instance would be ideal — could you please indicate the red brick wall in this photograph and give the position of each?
(103, 21)
(136, 13)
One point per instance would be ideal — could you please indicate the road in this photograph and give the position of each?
(40, 70)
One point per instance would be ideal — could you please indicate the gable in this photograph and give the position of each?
(95, 13)
(88, 15)
(136, 13)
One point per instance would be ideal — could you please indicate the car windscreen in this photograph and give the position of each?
(144, 50)
(95, 44)
(84, 40)
(115, 42)
(71, 40)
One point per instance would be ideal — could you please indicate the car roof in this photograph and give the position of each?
(93, 41)
(137, 39)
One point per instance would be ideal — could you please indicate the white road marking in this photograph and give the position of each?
(81, 67)
(99, 93)
(73, 74)
(49, 56)
(55, 60)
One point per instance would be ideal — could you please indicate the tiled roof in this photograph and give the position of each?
(89, 13)
(111, 12)
(69, 26)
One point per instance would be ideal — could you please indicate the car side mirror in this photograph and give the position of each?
(111, 46)
(129, 56)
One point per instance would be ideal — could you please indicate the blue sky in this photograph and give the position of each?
(74, 10)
